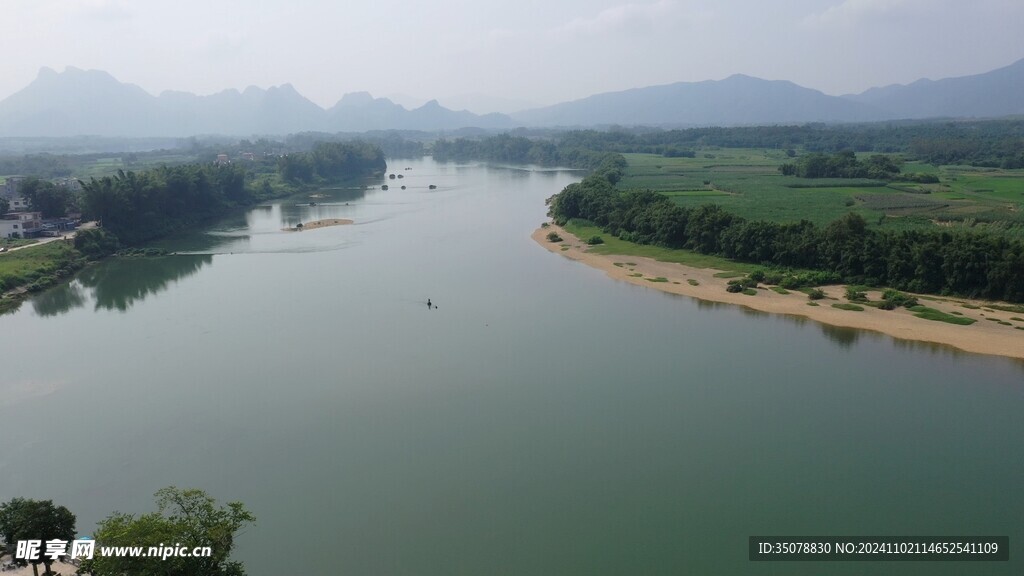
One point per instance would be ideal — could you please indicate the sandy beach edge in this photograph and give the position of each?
(983, 337)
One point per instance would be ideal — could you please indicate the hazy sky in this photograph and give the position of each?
(538, 51)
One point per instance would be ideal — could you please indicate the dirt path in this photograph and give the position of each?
(70, 236)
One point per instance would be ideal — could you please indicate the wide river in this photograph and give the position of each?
(544, 419)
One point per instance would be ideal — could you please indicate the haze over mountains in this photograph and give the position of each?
(78, 102)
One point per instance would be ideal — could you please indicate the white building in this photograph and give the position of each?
(21, 225)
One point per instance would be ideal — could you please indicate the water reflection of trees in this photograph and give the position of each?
(119, 283)
(124, 281)
(59, 299)
(844, 337)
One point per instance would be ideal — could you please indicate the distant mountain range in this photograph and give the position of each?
(737, 100)
(78, 102)
(743, 100)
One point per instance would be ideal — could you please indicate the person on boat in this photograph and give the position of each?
(429, 305)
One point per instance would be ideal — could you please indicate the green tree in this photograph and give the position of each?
(189, 518)
(22, 519)
(46, 197)
(96, 242)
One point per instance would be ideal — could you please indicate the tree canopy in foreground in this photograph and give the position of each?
(184, 517)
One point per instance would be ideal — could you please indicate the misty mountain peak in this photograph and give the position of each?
(739, 78)
(356, 99)
(285, 88)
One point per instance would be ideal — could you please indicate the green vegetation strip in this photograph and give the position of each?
(615, 246)
(1002, 308)
(940, 316)
(850, 307)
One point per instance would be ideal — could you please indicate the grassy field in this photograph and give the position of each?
(109, 166)
(939, 316)
(31, 264)
(747, 182)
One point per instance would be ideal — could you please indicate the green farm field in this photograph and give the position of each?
(747, 182)
(88, 167)
(109, 166)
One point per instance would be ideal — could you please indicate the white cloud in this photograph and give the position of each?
(105, 10)
(854, 12)
(70, 10)
(629, 18)
(625, 16)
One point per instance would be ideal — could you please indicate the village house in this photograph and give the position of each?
(21, 225)
(17, 204)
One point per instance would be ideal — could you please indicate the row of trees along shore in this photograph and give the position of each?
(141, 206)
(517, 150)
(983, 143)
(961, 262)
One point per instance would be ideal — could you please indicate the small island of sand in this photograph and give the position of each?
(319, 224)
(994, 331)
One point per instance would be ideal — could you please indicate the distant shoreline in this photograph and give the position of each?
(983, 337)
(320, 224)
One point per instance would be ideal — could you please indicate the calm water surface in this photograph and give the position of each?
(543, 420)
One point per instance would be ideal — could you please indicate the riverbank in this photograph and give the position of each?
(35, 268)
(995, 332)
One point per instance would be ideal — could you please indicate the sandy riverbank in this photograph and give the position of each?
(983, 337)
(320, 224)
